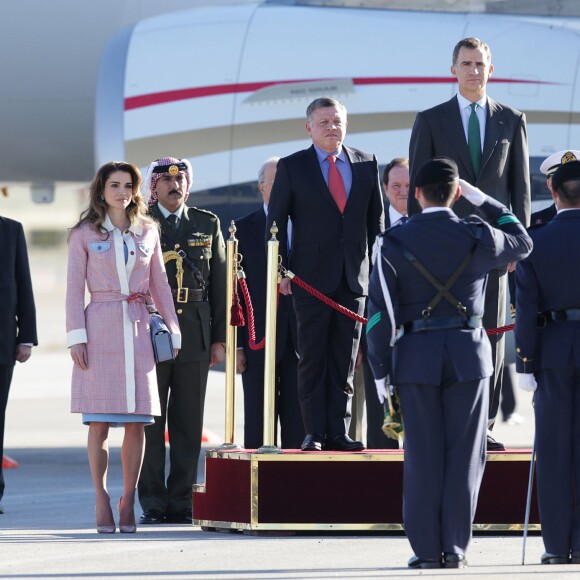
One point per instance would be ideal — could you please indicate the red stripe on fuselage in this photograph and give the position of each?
(194, 93)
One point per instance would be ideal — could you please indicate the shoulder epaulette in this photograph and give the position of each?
(205, 211)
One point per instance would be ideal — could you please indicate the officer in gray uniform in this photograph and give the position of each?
(547, 336)
(426, 337)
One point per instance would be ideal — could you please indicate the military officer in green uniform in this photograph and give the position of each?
(195, 259)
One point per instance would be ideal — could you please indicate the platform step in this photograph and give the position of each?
(321, 491)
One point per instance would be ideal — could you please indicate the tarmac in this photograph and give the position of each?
(48, 530)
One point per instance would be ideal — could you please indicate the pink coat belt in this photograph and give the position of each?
(136, 301)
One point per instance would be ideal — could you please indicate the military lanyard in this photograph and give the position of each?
(186, 259)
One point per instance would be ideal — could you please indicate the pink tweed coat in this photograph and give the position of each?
(121, 374)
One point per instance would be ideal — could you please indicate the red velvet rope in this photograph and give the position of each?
(251, 324)
(328, 301)
(358, 318)
(500, 330)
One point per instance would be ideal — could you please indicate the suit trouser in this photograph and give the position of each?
(494, 317)
(5, 380)
(182, 389)
(557, 411)
(376, 439)
(445, 451)
(328, 343)
(286, 397)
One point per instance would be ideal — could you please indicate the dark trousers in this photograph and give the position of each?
(182, 389)
(557, 411)
(5, 380)
(328, 343)
(286, 402)
(376, 439)
(445, 450)
(494, 317)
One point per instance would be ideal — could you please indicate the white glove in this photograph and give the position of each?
(527, 382)
(381, 385)
(471, 193)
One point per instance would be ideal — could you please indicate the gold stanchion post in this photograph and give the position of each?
(270, 345)
(231, 340)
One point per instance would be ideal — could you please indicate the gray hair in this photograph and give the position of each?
(265, 165)
(322, 102)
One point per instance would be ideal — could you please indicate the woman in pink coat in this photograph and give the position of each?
(114, 252)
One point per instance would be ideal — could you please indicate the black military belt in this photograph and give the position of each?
(183, 295)
(442, 323)
(559, 315)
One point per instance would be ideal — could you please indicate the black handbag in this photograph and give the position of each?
(161, 339)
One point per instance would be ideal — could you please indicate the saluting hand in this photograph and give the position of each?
(78, 353)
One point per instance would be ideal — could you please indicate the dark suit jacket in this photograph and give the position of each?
(439, 240)
(201, 323)
(545, 281)
(325, 242)
(250, 234)
(17, 310)
(504, 173)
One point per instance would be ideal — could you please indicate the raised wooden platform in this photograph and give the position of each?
(296, 491)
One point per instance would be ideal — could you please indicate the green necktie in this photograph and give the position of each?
(474, 139)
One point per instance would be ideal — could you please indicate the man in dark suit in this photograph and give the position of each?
(333, 196)
(17, 314)
(441, 360)
(548, 359)
(488, 141)
(250, 234)
(396, 188)
(195, 259)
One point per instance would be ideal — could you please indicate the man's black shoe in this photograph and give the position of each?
(152, 517)
(343, 443)
(575, 559)
(183, 517)
(452, 560)
(416, 562)
(548, 558)
(313, 442)
(493, 445)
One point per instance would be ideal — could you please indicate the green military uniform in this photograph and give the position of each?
(201, 310)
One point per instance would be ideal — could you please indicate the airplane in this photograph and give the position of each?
(227, 84)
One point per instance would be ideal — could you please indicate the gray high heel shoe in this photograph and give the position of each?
(130, 529)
